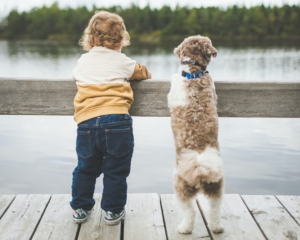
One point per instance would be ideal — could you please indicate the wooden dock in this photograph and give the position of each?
(149, 217)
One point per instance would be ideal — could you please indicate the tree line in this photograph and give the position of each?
(234, 22)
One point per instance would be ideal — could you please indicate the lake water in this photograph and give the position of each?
(261, 155)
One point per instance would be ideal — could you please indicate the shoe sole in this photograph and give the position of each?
(116, 221)
(78, 221)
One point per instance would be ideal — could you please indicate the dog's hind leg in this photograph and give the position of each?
(185, 197)
(214, 222)
(214, 191)
(187, 223)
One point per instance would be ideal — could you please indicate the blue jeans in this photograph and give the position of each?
(104, 145)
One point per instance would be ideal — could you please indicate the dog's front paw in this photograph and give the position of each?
(184, 228)
(216, 228)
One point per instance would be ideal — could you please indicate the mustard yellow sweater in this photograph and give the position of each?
(102, 77)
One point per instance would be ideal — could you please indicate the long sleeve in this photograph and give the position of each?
(140, 73)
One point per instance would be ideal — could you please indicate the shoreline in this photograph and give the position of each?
(153, 38)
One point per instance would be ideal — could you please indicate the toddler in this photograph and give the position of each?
(104, 141)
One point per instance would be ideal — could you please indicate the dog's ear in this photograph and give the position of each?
(210, 50)
(177, 51)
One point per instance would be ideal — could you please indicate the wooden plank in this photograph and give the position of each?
(235, 217)
(292, 205)
(258, 99)
(150, 98)
(95, 228)
(173, 218)
(271, 216)
(57, 222)
(143, 218)
(236, 99)
(37, 97)
(5, 201)
(22, 217)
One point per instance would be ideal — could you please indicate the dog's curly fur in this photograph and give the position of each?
(194, 118)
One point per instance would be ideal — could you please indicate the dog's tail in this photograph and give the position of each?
(207, 165)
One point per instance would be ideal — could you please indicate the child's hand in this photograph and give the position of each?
(140, 73)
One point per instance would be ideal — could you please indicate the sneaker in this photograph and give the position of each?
(80, 215)
(112, 218)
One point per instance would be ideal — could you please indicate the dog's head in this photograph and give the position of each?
(197, 49)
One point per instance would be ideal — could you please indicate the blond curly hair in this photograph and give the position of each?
(105, 29)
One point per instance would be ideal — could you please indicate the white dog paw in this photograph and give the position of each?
(184, 228)
(216, 228)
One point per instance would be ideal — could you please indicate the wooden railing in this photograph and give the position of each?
(236, 99)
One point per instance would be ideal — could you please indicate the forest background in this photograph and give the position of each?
(147, 24)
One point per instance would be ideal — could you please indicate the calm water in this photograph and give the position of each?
(261, 156)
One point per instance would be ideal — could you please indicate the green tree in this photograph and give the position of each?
(254, 23)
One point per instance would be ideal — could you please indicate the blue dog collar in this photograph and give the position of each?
(193, 76)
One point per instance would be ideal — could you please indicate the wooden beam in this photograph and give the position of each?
(236, 99)
(37, 97)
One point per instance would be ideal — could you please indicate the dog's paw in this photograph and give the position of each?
(216, 228)
(184, 228)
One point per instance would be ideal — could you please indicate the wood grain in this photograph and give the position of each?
(173, 217)
(236, 99)
(57, 220)
(275, 222)
(236, 219)
(5, 201)
(95, 228)
(22, 217)
(144, 218)
(292, 205)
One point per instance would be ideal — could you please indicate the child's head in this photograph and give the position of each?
(107, 30)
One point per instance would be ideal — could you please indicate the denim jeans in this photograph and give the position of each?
(104, 145)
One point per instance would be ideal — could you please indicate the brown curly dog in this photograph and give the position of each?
(193, 107)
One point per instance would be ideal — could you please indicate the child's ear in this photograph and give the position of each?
(210, 50)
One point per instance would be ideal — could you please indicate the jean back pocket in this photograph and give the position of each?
(118, 141)
(84, 144)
